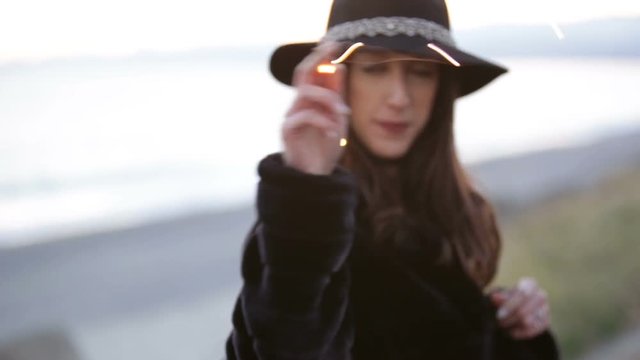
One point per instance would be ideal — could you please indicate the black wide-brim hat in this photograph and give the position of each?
(417, 27)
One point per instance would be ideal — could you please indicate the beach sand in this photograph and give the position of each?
(145, 292)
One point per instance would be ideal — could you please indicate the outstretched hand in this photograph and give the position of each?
(523, 311)
(317, 119)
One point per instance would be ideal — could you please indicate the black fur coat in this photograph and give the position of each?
(314, 290)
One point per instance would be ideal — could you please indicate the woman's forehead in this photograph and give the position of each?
(374, 54)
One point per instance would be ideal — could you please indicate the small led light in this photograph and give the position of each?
(343, 142)
(326, 69)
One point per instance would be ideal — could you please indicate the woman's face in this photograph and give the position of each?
(391, 96)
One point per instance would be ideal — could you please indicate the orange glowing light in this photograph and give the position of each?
(326, 69)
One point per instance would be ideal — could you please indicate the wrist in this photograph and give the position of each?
(308, 168)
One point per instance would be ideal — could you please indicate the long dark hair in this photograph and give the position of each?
(430, 195)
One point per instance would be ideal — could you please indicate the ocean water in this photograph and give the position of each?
(91, 144)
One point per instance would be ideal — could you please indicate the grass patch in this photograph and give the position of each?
(584, 250)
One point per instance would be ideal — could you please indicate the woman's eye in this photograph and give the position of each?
(374, 68)
(423, 72)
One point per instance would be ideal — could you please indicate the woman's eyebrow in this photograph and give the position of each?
(375, 53)
(410, 60)
(368, 59)
(383, 56)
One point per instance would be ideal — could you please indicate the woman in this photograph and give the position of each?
(380, 249)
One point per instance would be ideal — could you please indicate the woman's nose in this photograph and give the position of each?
(398, 95)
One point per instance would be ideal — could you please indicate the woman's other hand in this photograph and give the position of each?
(523, 311)
(317, 119)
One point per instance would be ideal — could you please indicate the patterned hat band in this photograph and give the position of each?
(390, 26)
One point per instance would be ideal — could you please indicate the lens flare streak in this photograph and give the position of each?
(444, 54)
(557, 30)
(347, 53)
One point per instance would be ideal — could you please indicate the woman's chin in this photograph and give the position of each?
(389, 153)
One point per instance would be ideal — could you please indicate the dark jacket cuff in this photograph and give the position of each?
(544, 346)
(307, 221)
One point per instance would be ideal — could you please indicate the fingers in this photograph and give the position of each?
(516, 299)
(534, 325)
(317, 118)
(310, 96)
(336, 80)
(321, 92)
(313, 118)
(312, 141)
(525, 310)
(306, 72)
(323, 108)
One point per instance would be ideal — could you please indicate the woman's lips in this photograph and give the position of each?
(394, 128)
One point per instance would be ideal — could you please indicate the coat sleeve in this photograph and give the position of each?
(294, 300)
(541, 347)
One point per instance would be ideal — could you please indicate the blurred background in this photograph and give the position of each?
(130, 132)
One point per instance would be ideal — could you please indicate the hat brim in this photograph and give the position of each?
(473, 72)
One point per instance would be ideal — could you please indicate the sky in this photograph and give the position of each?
(34, 30)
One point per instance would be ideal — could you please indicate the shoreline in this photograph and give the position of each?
(513, 182)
